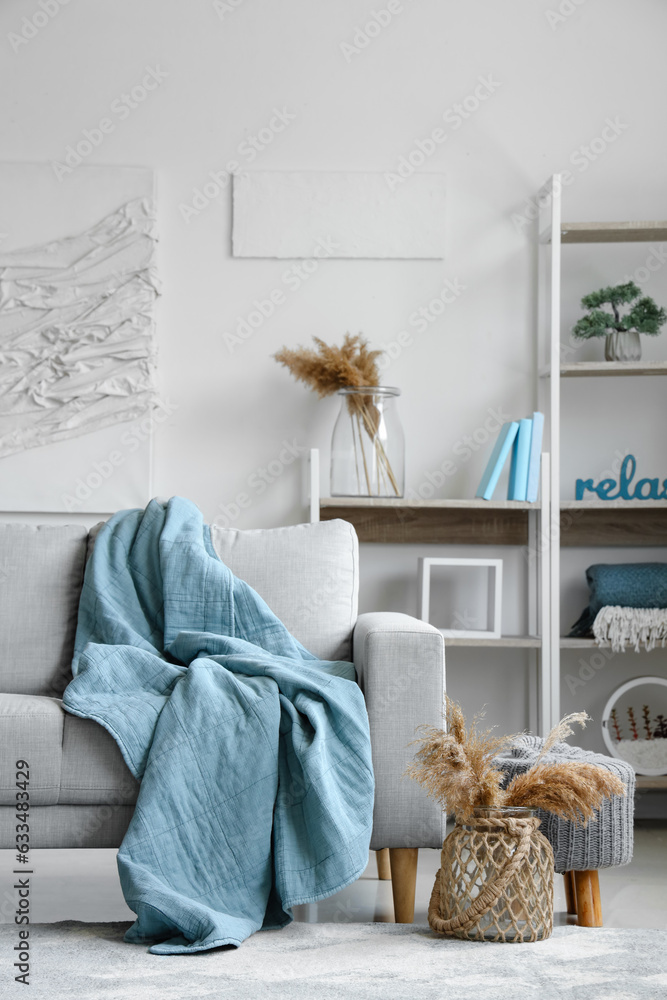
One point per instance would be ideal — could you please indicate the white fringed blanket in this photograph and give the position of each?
(637, 627)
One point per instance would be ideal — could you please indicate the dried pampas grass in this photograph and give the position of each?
(572, 791)
(331, 368)
(561, 731)
(455, 766)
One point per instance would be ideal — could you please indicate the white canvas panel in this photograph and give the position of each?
(299, 215)
(77, 341)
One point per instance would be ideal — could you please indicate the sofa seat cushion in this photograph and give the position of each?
(72, 761)
(31, 729)
(41, 574)
(306, 573)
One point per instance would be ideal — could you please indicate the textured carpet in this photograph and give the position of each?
(326, 961)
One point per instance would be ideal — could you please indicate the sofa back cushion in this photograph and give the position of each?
(41, 573)
(308, 574)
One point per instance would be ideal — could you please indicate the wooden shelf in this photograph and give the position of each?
(651, 781)
(608, 232)
(613, 522)
(492, 506)
(505, 642)
(392, 502)
(526, 642)
(448, 522)
(614, 369)
(568, 643)
(613, 505)
(502, 522)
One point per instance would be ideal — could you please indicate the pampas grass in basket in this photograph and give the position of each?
(495, 880)
(455, 766)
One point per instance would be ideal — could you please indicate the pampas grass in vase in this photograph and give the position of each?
(455, 766)
(328, 369)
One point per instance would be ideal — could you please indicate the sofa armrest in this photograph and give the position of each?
(400, 664)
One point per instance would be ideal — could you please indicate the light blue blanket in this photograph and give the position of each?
(254, 758)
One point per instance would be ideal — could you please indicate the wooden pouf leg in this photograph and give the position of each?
(570, 893)
(403, 882)
(384, 866)
(589, 907)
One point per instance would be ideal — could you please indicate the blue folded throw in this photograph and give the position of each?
(253, 755)
(628, 585)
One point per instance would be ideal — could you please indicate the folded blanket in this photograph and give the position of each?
(629, 585)
(634, 626)
(254, 757)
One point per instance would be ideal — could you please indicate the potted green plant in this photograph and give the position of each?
(621, 330)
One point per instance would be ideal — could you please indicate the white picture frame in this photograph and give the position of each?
(494, 568)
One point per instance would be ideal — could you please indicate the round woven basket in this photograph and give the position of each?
(495, 881)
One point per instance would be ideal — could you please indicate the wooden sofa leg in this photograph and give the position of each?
(589, 907)
(403, 862)
(570, 893)
(384, 866)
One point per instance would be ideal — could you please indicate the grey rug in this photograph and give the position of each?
(326, 961)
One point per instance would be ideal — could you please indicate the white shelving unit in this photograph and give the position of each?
(543, 527)
(620, 521)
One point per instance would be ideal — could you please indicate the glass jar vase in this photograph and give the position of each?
(495, 881)
(368, 446)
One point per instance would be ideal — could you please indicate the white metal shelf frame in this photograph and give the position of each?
(549, 351)
(544, 641)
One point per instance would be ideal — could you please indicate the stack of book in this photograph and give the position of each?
(523, 439)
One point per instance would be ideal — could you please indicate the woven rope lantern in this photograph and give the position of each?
(495, 881)
(496, 875)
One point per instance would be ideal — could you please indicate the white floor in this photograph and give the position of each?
(83, 885)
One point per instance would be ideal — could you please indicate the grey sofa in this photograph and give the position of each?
(81, 792)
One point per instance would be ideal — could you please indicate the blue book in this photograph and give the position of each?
(516, 489)
(533, 486)
(498, 458)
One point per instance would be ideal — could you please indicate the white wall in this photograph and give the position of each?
(555, 83)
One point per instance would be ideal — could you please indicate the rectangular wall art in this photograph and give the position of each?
(77, 342)
(337, 214)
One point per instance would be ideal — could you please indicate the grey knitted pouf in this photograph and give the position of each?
(604, 842)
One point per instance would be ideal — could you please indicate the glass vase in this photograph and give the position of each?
(368, 446)
(495, 881)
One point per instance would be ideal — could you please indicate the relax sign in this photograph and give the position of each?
(644, 489)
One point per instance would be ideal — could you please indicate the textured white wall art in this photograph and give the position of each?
(338, 215)
(77, 344)
(494, 593)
